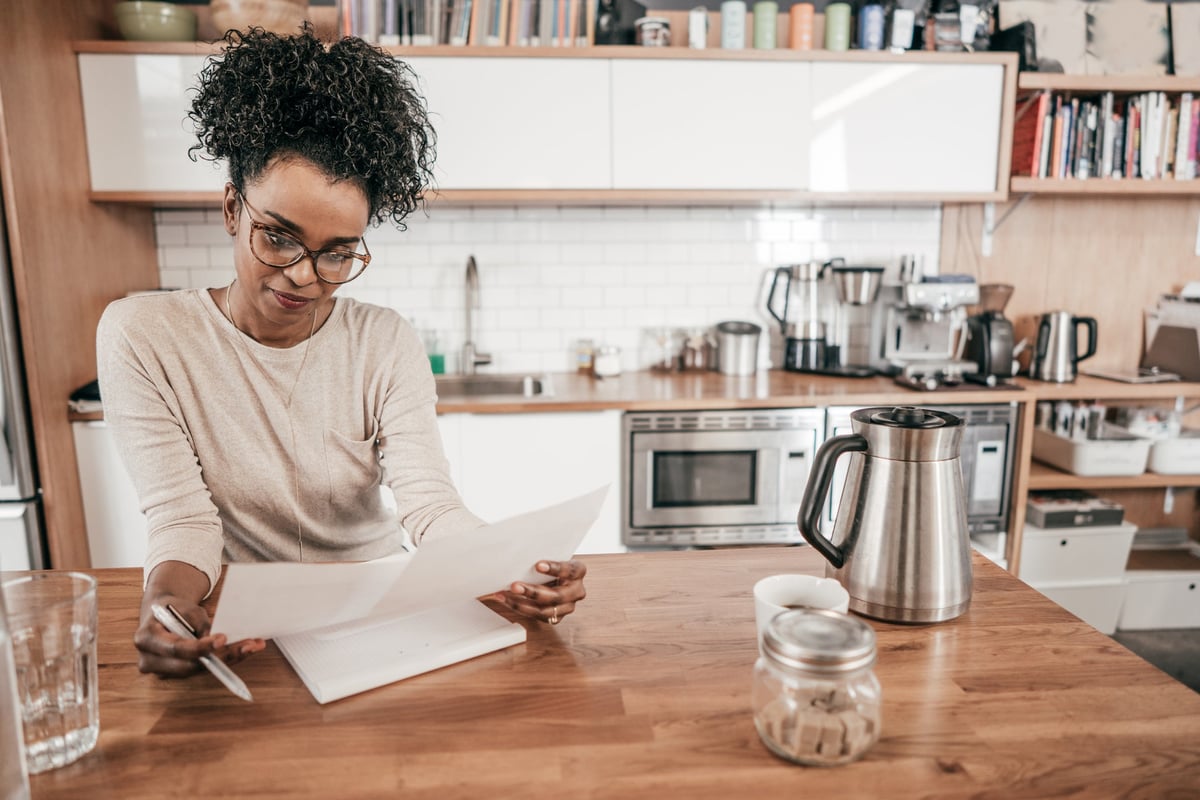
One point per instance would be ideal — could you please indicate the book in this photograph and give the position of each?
(1047, 143)
(1060, 111)
(1071, 508)
(1194, 147)
(1027, 134)
(349, 627)
(1183, 137)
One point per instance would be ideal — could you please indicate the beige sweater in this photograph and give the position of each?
(198, 412)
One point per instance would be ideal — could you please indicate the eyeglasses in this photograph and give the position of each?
(280, 250)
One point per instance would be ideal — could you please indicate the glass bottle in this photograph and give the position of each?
(816, 698)
(14, 777)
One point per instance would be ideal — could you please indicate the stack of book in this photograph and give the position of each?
(469, 23)
(1145, 135)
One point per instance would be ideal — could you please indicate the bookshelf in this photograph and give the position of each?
(1043, 476)
(1095, 87)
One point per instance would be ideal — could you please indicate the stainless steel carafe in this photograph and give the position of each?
(899, 543)
(1056, 356)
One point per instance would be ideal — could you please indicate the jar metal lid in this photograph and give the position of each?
(819, 641)
(654, 21)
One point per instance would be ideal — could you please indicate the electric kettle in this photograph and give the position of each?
(899, 544)
(1056, 357)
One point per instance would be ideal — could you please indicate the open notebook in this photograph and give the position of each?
(346, 628)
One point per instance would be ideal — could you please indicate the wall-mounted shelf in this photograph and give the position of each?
(1043, 476)
(1104, 186)
(1108, 83)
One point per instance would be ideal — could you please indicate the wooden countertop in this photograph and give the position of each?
(644, 390)
(645, 692)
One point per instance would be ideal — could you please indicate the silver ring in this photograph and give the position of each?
(554, 617)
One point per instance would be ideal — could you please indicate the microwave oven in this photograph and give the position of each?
(716, 477)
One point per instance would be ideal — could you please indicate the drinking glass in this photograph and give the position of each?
(52, 621)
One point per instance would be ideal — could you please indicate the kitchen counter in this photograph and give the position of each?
(644, 390)
(645, 692)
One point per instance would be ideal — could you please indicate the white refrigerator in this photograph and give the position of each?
(22, 545)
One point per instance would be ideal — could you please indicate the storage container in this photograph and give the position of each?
(1098, 603)
(1163, 590)
(1117, 453)
(1075, 554)
(1176, 456)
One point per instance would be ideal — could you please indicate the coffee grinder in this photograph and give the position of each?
(990, 337)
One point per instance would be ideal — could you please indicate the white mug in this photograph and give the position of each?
(777, 593)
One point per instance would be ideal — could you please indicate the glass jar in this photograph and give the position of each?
(816, 698)
(696, 349)
(659, 350)
(585, 353)
(607, 362)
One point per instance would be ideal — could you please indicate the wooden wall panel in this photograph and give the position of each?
(70, 257)
(1103, 257)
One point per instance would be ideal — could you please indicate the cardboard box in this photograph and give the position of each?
(1071, 508)
(1163, 589)
(1063, 555)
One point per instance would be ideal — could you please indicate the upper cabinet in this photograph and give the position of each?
(620, 125)
(135, 113)
(519, 123)
(710, 124)
(896, 128)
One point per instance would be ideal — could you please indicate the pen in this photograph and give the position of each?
(173, 621)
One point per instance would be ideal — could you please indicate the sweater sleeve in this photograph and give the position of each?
(141, 408)
(414, 462)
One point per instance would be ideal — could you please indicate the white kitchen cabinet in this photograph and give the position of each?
(508, 464)
(905, 127)
(710, 124)
(116, 528)
(138, 134)
(518, 123)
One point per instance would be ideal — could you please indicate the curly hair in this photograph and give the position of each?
(349, 108)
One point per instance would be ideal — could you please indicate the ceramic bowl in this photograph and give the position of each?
(277, 16)
(142, 21)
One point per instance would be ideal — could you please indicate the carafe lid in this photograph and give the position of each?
(911, 417)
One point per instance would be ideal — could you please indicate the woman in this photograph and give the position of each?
(258, 420)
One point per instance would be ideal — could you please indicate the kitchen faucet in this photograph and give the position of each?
(470, 358)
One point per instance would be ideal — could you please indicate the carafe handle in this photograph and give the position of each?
(1090, 323)
(787, 289)
(817, 490)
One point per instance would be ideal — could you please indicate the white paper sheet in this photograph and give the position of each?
(269, 600)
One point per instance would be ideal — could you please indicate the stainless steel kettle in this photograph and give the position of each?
(899, 543)
(1056, 356)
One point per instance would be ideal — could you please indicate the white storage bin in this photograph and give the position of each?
(1163, 591)
(1176, 456)
(1055, 555)
(1097, 603)
(1118, 454)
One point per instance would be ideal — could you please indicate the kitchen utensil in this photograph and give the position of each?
(142, 21)
(899, 542)
(1056, 356)
(278, 16)
(737, 347)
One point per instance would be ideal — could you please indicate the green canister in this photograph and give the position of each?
(766, 14)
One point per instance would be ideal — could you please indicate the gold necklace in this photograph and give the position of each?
(287, 404)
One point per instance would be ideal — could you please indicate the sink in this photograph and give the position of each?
(455, 386)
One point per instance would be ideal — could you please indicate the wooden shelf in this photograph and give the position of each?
(1044, 476)
(1108, 83)
(1086, 387)
(614, 51)
(1104, 186)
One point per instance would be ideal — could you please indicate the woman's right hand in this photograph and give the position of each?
(162, 652)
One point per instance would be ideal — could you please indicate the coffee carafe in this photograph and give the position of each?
(900, 543)
(802, 317)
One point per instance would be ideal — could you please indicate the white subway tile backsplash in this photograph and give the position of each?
(549, 276)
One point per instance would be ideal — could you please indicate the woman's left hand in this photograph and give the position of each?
(552, 601)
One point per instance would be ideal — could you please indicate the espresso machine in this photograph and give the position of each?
(924, 330)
